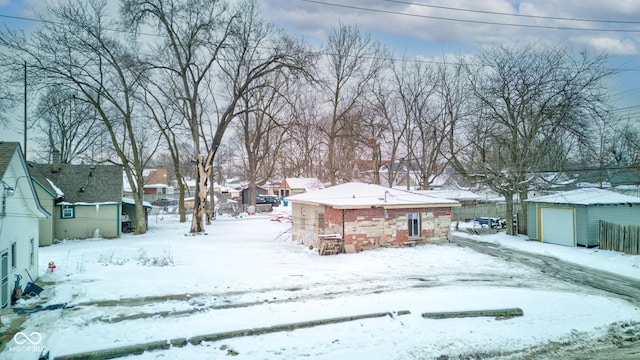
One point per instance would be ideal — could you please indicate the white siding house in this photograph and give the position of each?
(20, 214)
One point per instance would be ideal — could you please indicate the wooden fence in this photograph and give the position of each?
(478, 210)
(623, 238)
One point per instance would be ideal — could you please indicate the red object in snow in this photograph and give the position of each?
(52, 266)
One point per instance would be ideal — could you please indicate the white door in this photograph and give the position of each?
(557, 226)
(4, 279)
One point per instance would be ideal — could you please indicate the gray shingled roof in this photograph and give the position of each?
(7, 149)
(80, 183)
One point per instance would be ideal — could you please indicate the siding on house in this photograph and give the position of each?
(104, 221)
(19, 218)
(94, 192)
(19, 226)
(597, 205)
(46, 225)
(617, 214)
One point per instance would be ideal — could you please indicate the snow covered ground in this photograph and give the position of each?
(246, 273)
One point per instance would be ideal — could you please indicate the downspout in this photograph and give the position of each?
(119, 219)
(343, 239)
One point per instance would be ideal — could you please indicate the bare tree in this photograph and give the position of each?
(393, 125)
(352, 60)
(255, 52)
(67, 125)
(12, 76)
(304, 145)
(80, 47)
(426, 129)
(193, 32)
(446, 107)
(530, 100)
(164, 110)
(625, 147)
(202, 35)
(260, 132)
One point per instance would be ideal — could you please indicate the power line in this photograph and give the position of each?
(405, 14)
(353, 7)
(514, 15)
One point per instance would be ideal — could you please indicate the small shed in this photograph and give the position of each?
(365, 216)
(293, 186)
(571, 217)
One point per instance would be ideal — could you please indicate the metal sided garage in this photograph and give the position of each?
(571, 217)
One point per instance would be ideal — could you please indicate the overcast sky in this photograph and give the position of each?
(435, 28)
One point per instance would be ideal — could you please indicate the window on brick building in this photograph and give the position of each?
(414, 224)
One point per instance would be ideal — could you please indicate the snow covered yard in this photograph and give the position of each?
(246, 273)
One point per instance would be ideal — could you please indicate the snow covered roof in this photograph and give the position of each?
(308, 184)
(130, 201)
(587, 196)
(361, 195)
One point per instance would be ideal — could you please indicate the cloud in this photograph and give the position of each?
(609, 45)
(474, 23)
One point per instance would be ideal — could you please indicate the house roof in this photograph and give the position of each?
(7, 149)
(308, 184)
(615, 177)
(80, 183)
(362, 195)
(155, 177)
(587, 196)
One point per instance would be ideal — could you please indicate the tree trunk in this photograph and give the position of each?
(331, 156)
(211, 204)
(522, 216)
(199, 202)
(181, 207)
(141, 219)
(509, 214)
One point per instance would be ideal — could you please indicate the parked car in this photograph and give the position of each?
(492, 222)
(165, 202)
(268, 199)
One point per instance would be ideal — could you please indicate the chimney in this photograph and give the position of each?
(55, 157)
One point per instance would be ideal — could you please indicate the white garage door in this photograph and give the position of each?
(557, 226)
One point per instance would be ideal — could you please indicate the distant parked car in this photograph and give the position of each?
(165, 202)
(268, 199)
(492, 222)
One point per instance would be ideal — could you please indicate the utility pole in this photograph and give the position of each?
(25, 111)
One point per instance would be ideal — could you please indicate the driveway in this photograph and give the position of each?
(622, 340)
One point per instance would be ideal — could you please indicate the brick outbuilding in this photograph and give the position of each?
(365, 216)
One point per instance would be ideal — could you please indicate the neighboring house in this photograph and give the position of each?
(85, 200)
(20, 213)
(468, 200)
(571, 218)
(462, 196)
(368, 216)
(156, 185)
(244, 193)
(293, 186)
(404, 172)
(609, 178)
